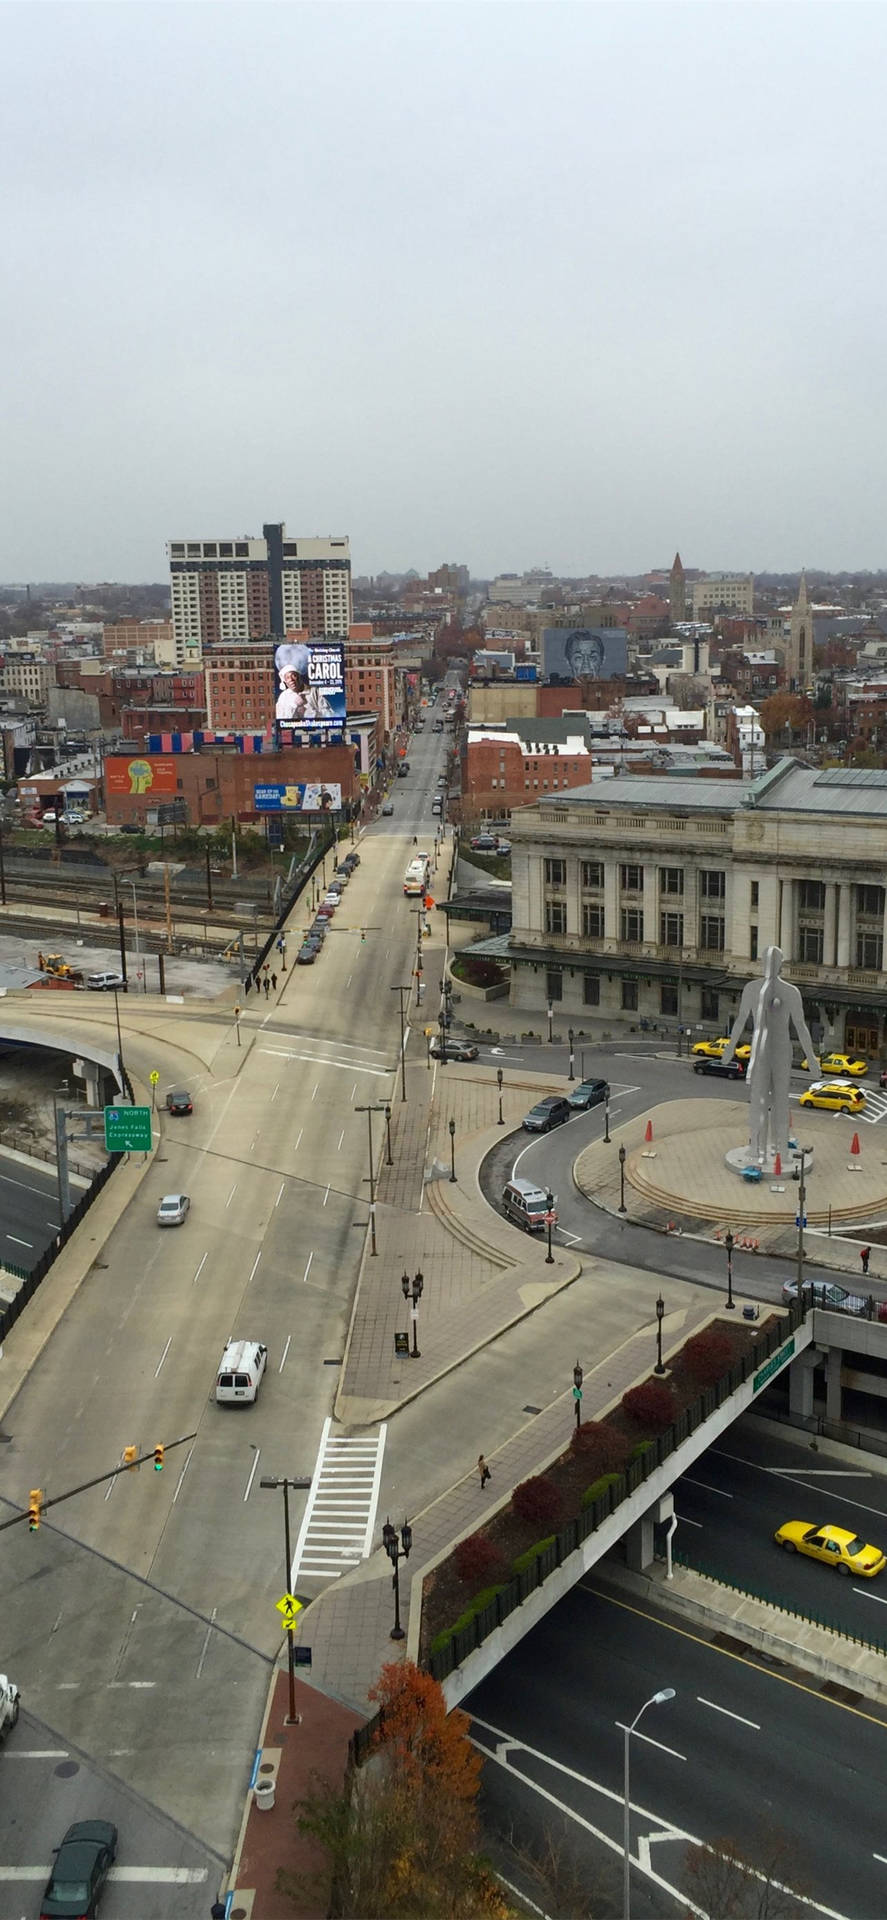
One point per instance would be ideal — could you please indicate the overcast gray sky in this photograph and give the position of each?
(509, 285)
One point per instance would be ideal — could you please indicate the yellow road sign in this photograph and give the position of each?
(288, 1607)
(154, 1077)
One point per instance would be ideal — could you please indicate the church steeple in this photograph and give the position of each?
(799, 650)
(677, 592)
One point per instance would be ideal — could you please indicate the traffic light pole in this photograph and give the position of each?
(100, 1479)
(272, 1482)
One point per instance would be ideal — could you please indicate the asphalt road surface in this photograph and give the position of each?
(731, 1503)
(745, 1753)
(29, 1209)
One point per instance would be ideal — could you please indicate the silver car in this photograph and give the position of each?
(173, 1209)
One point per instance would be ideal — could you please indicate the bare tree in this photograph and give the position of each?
(758, 1881)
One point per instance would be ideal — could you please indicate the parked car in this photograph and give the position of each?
(835, 1096)
(547, 1113)
(130, 826)
(734, 1070)
(179, 1101)
(307, 953)
(351, 860)
(840, 1063)
(589, 1093)
(484, 843)
(9, 1705)
(714, 1049)
(105, 982)
(503, 847)
(827, 1293)
(326, 910)
(82, 1864)
(388, 806)
(456, 1049)
(173, 1209)
(835, 1545)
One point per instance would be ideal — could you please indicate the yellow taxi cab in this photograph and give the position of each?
(836, 1096)
(835, 1545)
(841, 1064)
(715, 1049)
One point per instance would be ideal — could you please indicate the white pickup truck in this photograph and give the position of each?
(9, 1699)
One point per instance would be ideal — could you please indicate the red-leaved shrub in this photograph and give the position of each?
(708, 1355)
(479, 1562)
(651, 1405)
(602, 1450)
(538, 1501)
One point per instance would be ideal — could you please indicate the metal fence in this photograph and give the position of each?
(447, 1658)
(772, 1600)
(11, 1310)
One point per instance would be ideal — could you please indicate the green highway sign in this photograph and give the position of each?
(779, 1359)
(128, 1129)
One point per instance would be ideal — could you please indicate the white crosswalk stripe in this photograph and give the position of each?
(340, 1517)
(875, 1107)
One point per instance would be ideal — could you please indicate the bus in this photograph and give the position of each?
(415, 879)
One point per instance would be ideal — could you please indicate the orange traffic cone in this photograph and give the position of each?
(777, 1166)
(649, 1132)
(854, 1144)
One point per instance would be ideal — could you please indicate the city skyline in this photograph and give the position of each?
(527, 285)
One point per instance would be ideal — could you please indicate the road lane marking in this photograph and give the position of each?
(707, 1487)
(163, 1356)
(826, 1473)
(868, 1595)
(318, 1060)
(19, 1243)
(689, 1523)
(860, 1505)
(341, 1138)
(327, 1194)
(285, 1352)
(212, 1622)
(881, 1858)
(299, 1140)
(648, 1737)
(34, 1753)
(182, 1475)
(200, 1268)
(255, 1264)
(354, 1090)
(138, 1876)
(730, 1716)
(280, 1195)
(316, 1085)
(231, 1195)
(276, 1091)
(349, 980)
(252, 1471)
(310, 1258)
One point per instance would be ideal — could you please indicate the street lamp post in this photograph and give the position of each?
(660, 1313)
(802, 1201)
(119, 1037)
(389, 1162)
(656, 1700)
(135, 915)
(577, 1393)
(413, 1292)
(607, 1115)
(377, 1107)
(571, 1075)
(499, 1085)
(550, 1023)
(272, 1481)
(237, 1025)
(549, 1222)
(728, 1245)
(396, 1549)
(622, 1206)
(452, 1151)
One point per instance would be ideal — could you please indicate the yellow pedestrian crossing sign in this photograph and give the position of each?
(288, 1607)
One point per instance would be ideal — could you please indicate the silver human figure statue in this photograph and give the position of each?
(775, 1006)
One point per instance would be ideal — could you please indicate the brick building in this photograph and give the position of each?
(510, 766)
(217, 782)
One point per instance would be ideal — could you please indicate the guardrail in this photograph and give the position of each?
(10, 1312)
(445, 1660)
(814, 1619)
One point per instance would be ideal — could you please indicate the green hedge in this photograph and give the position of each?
(642, 1447)
(525, 1560)
(474, 1606)
(598, 1487)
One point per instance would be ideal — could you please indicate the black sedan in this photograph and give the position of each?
(179, 1101)
(82, 1864)
(455, 1050)
(307, 953)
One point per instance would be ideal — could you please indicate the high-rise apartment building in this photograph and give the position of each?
(250, 588)
(723, 592)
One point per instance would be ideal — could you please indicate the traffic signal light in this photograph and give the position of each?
(35, 1502)
(158, 1459)
(130, 1456)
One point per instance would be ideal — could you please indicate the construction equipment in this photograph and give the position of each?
(57, 968)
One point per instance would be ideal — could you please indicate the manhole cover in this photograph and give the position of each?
(531, 1409)
(66, 1769)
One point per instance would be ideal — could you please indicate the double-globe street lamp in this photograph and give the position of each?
(413, 1290)
(452, 1126)
(549, 1222)
(660, 1315)
(577, 1392)
(728, 1247)
(397, 1549)
(656, 1700)
(622, 1206)
(499, 1078)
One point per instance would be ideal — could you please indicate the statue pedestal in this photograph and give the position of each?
(741, 1161)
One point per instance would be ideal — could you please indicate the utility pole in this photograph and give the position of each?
(403, 1057)
(377, 1107)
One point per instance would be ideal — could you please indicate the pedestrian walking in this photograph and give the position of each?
(484, 1471)
(267, 986)
(247, 983)
(865, 1254)
(274, 981)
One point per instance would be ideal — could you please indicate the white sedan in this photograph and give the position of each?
(173, 1209)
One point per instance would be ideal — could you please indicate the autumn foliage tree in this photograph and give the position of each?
(784, 712)
(401, 1840)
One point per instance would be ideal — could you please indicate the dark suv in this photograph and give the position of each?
(731, 1070)
(547, 1113)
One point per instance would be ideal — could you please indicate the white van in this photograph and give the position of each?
(241, 1370)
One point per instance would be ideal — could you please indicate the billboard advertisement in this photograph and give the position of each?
(309, 690)
(142, 773)
(584, 653)
(299, 796)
